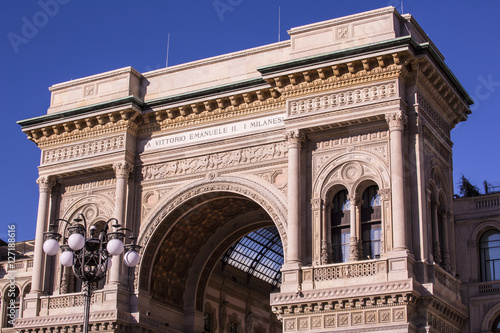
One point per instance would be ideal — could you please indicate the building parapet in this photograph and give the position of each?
(480, 206)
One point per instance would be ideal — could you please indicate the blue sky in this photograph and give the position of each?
(42, 44)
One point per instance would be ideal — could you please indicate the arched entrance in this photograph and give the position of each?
(190, 271)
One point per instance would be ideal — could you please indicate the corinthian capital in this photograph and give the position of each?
(295, 138)
(122, 169)
(45, 183)
(385, 193)
(354, 199)
(396, 120)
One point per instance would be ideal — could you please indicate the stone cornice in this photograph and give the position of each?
(312, 75)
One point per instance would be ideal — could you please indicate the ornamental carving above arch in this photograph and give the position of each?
(350, 169)
(93, 207)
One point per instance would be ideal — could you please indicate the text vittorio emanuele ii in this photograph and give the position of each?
(213, 133)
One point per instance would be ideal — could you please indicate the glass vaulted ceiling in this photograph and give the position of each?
(259, 254)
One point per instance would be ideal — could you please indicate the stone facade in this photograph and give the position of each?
(356, 110)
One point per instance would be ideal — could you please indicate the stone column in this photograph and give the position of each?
(435, 237)
(354, 239)
(324, 232)
(445, 217)
(45, 184)
(122, 171)
(396, 122)
(294, 140)
(386, 239)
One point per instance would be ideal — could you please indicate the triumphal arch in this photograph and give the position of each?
(304, 185)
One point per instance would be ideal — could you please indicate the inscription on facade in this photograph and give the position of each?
(213, 133)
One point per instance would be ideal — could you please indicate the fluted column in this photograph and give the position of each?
(294, 141)
(396, 122)
(45, 184)
(354, 239)
(122, 171)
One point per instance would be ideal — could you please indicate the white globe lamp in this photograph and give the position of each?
(115, 247)
(66, 258)
(51, 247)
(76, 241)
(131, 258)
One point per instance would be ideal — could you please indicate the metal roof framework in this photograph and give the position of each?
(259, 254)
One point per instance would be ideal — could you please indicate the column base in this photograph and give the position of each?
(291, 277)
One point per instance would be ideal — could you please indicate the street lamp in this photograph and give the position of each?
(90, 257)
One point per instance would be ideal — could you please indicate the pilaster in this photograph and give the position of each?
(396, 122)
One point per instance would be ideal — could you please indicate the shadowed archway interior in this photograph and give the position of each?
(190, 230)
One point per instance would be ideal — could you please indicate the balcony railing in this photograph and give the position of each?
(487, 202)
(67, 300)
(446, 279)
(18, 265)
(345, 271)
(489, 287)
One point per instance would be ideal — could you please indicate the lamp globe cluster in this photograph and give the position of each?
(93, 250)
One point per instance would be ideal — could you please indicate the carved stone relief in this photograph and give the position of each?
(341, 99)
(68, 152)
(215, 161)
(151, 198)
(278, 178)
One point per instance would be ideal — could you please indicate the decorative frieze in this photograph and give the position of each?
(215, 161)
(345, 320)
(90, 185)
(341, 99)
(374, 293)
(89, 148)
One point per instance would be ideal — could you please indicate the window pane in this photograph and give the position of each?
(489, 245)
(496, 269)
(488, 273)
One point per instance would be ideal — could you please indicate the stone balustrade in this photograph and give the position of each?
(346, 273)
(18, 265)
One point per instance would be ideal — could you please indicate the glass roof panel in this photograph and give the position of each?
(260, 254)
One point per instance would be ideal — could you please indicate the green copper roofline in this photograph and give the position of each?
(276, 69)
(80, 111)
(227, 88)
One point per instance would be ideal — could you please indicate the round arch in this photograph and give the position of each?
(490, 318)
(349, 170)
(482, 228)
(172, 207)
(94, 207)
(178, 280)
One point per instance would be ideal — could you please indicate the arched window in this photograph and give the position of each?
(371, 231)
(489, 251)
(340, 220)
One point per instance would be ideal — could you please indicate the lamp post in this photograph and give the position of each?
(89, 255)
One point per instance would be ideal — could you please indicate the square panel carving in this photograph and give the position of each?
(330, 321)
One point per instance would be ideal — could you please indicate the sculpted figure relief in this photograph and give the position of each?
(215, 161)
